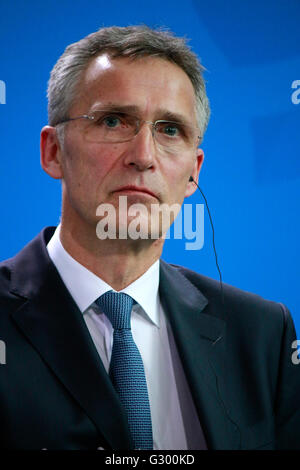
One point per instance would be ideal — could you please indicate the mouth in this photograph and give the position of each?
(131, 189)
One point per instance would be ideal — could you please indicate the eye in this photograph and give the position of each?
(169, 129)
(111, 121)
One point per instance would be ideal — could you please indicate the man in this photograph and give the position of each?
(127, 112)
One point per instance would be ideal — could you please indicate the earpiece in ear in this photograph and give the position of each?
(191, 179)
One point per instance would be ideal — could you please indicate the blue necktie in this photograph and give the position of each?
(127, 368)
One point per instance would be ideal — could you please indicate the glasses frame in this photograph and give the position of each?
(139, 123)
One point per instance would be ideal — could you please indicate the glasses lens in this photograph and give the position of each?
(105, 126)
(174, 135)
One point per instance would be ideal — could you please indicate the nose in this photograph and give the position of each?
(141, 150)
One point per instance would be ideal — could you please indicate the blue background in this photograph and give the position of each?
(251, 174)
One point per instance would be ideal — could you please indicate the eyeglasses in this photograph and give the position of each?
(104, 126)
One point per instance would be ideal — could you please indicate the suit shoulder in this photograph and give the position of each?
(5, 275)
(238, 302)
(8, 301)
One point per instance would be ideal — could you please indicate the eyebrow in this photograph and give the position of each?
(164, 114)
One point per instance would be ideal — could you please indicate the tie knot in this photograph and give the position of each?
(117, 307)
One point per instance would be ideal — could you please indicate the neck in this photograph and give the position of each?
(117, 262)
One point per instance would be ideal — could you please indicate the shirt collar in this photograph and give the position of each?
(85, 287)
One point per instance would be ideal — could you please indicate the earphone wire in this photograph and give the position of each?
(223, 302)
(213, 238)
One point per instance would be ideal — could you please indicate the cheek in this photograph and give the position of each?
(177, 172)
(176, 176)
(86, 165)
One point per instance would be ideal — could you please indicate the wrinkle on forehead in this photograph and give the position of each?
(130, 82)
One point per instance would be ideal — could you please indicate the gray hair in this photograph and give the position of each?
(133, 42)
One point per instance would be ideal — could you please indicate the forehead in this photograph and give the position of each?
(149, 83)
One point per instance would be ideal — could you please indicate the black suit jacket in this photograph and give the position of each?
(56, 394)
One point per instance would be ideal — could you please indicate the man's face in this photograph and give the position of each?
(96, 173)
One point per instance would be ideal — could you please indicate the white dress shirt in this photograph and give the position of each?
(152, 336)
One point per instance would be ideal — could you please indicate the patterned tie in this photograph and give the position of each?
(127, 369)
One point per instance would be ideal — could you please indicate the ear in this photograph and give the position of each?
(191, 187)
(51, 152)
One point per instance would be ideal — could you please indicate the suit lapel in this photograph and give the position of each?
(51, 321)
(200, 338)
(53, 324)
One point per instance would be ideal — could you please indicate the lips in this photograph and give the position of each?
(137, 189)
